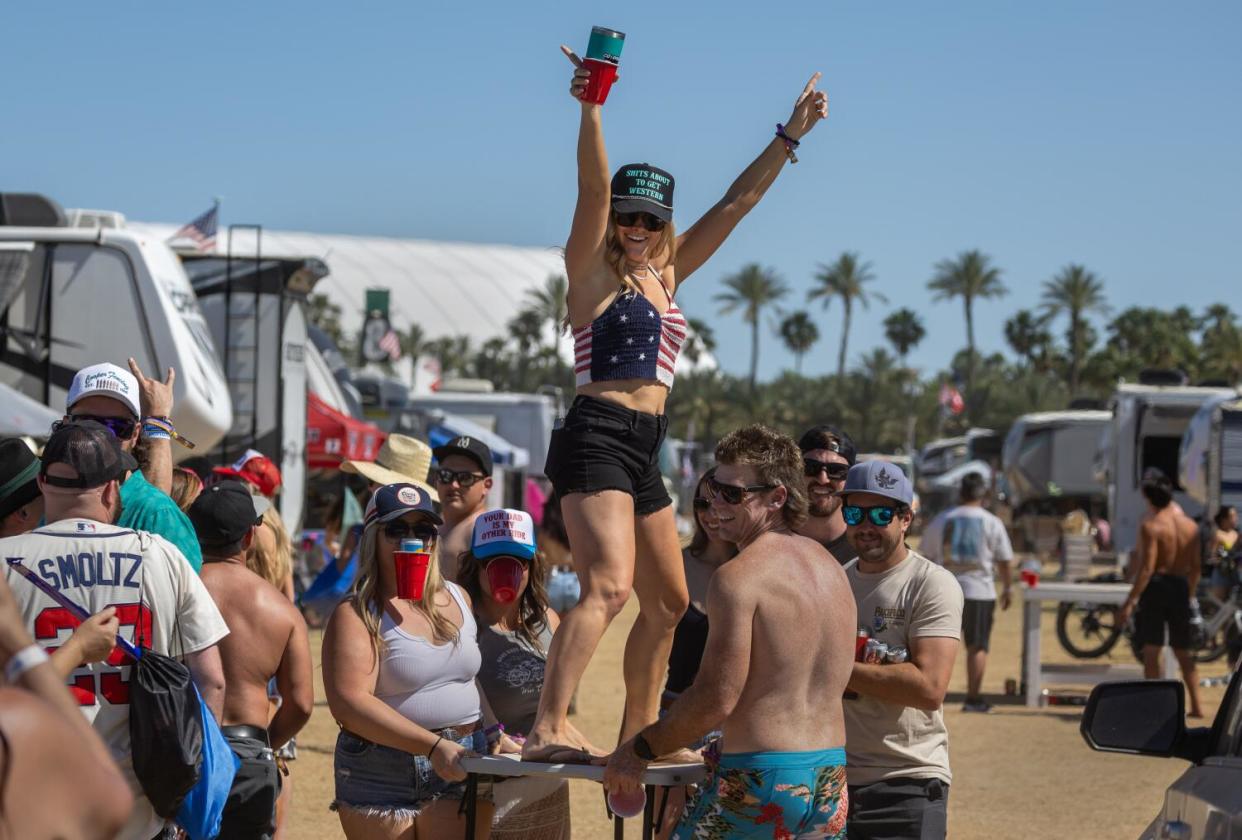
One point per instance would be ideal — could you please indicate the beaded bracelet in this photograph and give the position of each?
(790, 143)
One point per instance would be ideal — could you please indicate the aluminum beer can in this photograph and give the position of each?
(875, 651)
(860, 645)
(896, 654)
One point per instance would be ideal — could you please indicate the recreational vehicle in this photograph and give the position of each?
(943, 463)
(74, 296)
(1210, 461)
(1148, 422)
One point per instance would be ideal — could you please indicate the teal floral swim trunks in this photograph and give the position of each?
(770, 795)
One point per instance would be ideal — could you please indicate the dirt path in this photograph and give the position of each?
(1017, 772)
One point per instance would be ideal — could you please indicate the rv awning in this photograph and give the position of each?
(332, 437)
(445, 427)
(20, 416)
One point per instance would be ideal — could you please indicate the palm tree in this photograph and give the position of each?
(751, 289)
(904, 330)
(1027, 335)
(969, 277)
(799, 333)
(845, 279)
(1075, 292)
(552, 303)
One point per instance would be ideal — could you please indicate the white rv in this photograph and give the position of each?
(1048, 456)
(943, 463)
(1210, 461)
(75, 296)
(1146, 431)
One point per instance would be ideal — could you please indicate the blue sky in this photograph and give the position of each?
(1104, 133)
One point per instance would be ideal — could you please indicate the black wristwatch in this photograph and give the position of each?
(642, 749)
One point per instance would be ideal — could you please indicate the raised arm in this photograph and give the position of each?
(586, 236)
(156, 400)
(705, 236)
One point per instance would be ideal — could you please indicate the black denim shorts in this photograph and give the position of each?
(606, 446)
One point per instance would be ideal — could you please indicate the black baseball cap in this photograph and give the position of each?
(643, 188)
(19, 470)
(827, 436)
(224, 512)
(90, 448)
(472, 448)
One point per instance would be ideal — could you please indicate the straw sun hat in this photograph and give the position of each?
(400, 460)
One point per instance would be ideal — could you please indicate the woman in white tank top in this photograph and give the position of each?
(400, 680)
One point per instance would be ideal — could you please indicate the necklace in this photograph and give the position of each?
(638, 270)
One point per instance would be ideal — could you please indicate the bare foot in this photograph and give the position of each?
(567, 746)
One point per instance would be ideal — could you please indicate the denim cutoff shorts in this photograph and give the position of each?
(381, 781)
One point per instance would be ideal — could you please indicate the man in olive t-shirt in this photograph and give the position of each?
(897, 746)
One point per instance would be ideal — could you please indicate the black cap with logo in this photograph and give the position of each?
(224, 512)
(643, 188)
(91, 449)
(473, 448)
(827, 436)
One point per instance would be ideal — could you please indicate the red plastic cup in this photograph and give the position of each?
(1030, 577)
(603, 74)
(411, 573)
(504, 578)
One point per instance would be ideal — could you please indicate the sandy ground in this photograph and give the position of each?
(1016, 772)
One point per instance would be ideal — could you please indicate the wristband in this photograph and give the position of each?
(433, 746)
(642, 749)
(161, 428)
(19, 663)
(790, 143)
(153, 432)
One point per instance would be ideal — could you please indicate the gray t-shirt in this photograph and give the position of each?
(969, 541)
(512, 675)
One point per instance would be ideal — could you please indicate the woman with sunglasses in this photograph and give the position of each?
(625, 262)
(504, 572)
(400, 680)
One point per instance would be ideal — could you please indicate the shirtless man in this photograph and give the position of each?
(463, 478)
(267, 639)
(1164, 585)
(770, 676)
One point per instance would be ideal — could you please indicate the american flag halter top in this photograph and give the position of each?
(630, 340)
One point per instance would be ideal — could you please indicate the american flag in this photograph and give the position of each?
(201, 231)
(391, 344)
(951, 399)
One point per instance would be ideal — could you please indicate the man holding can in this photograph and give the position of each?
(897, 745)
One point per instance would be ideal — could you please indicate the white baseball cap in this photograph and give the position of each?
(106, 380)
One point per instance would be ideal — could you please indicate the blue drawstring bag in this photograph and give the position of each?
(202, 810)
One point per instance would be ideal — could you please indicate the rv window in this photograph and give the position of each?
(21, 296)
(1162, 453)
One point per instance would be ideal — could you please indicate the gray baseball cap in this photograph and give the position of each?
(880, 478)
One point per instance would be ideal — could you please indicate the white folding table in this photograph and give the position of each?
(1034, 672)
(657, 775)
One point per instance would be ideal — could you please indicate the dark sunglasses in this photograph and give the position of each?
(702, 504)
(733, 494)
(640, 219)
(397, 530)
(119, 426)
(465, 479)
(881, 516)
(836, 472)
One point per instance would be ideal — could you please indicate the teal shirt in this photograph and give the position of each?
(144, 507)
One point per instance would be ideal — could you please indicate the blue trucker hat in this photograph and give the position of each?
(395, 500)
(880, 478)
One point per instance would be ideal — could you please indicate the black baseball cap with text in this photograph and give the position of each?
(827, 436)
(643, 188)
(90, 448)
(473, 448)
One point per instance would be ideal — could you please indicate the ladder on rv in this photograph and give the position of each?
(241, 347)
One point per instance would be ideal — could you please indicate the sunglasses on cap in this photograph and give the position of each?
(732, 494)
(398, 530)
(641, 219)
(811, 468)
(464, 478)
(120, 427)
(881, 516)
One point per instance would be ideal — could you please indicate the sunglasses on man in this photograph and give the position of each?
(644, 220)
(811, 468)
(398, 530)
(733, 494)
(464, 478)
(120, 427)
(881, 516)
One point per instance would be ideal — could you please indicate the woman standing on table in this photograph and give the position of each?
(399, 675)
(625, 262)
(504, 571)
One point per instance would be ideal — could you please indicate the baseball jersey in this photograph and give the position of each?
(160, 602)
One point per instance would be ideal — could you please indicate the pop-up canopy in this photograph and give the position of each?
(332, 437)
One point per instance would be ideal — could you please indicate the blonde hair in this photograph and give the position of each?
(364, 592)
(275, 564)
(186, 487)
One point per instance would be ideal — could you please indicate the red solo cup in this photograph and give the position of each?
(628, 805)
(411, 573)
(603, 74)
(1030, 577)
(504, 578)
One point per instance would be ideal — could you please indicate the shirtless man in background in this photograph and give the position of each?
(1164, 585)
(780, 650)
(267, 638)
